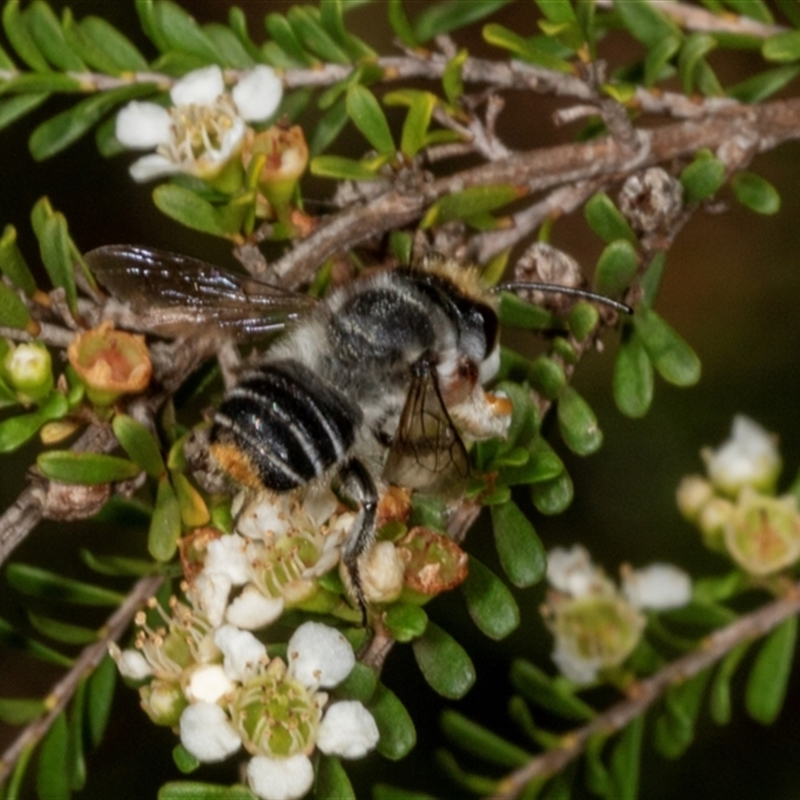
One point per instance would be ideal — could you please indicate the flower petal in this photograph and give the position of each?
(207, 684)
(152, 166)
(226, 556)
(319, 655)
(258, 95)
(280, 778)
(658, 586)
(347, 730)
(251, 610)
(200, 87)
(242, 651)
(206, 732)
(143, 125)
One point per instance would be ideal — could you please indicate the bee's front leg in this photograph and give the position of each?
(359, 485)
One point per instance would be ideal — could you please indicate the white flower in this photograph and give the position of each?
(207, 733)
(319, 655)
(280, 778)
(658, 587)
(347, 730)
(748, 458)
(242, 652)
(207, 684)
(572, 572)
(204, 128)
(209, 593)
(580, 669)
(227, 556)
(266, 517)
(252, 610)
(258, 94)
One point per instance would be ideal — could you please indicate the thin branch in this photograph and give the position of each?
(87, 661)
(644, 693)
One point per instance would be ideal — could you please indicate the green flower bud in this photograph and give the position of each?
(30, 371)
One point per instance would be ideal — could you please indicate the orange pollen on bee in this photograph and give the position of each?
(501, 406)
(236, 463)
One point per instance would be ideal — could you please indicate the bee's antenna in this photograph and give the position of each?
(554, 288)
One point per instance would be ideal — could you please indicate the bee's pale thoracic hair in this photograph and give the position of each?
(377, 384)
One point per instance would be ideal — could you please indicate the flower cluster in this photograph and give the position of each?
(596, 625)
(735, 506)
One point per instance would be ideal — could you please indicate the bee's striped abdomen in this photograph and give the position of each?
(283, 426)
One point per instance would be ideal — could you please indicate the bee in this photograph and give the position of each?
(382, 382)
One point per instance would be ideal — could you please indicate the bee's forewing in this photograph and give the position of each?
(172, 293)
(427, 453)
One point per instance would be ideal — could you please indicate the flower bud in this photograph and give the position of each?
(382, 571)
(30, 372)
(433, 563)
(693, 493)
(111, 363)
(163, 701)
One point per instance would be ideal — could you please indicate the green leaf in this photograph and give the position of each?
(305, 22)
(672, 357)
(165, 526)
(577, 423)
(54, 246)
(14, 108)
(395, 725)
(19, 36)
(188, 208)
(651, 280)
(444, 663)
(62, 632)
(341, 168)
(695, 47)
(583, 319)
(769, 678)
(558, 11)
(519, 313)
(553, 496)
(644, 22)
(331, 15)
(519, 548)
(616, 268)
(11, 638)
(36, 582)
(382, 791)
(15, 431)
(62, 130)
(674, 729)
(450, 15)
(46, 31)
(100, 688)
(418, 119)
(782, 47)
(237, 20)
(626, 760)
(658, 57)
(400, 23)
(633, 375)
(184, 760)
(284, 35)
(139, 444)
(405, 621)
(542, 690)
(76, 757)
(368, 116)
(230, 48)
(52, 776)
(194, 790)
(332, 782)
(478, 741)
(755, 193)
(13, 312)
(525, 49)
(113, 44)
(452, 82)
(762, 86)
(178, 31)
(469, 203)
(85, 468)
(14, 711)
(703, 177)
(606, 221)
(720, 694)
(755, 9)
(360, 684)
(489, 602)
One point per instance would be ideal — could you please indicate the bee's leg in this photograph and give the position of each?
(360, 486)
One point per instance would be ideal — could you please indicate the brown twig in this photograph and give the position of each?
(645, 692)
(87, 661)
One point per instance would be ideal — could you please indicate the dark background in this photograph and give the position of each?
(731, 288)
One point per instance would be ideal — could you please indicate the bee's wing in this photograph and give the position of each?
(172, 293)
(427, 453)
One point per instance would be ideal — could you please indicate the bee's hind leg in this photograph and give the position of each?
(359, 485)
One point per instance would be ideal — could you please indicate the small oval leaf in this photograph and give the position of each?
(368, 116)
(85, 468)
(489, 602)
(398, 735)
(755, 193)
(633, 376)
(444, 663)
(769, 678)
(519, 548)
(165, 526)
(672, 357)
(578, 423)
(139, 444)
